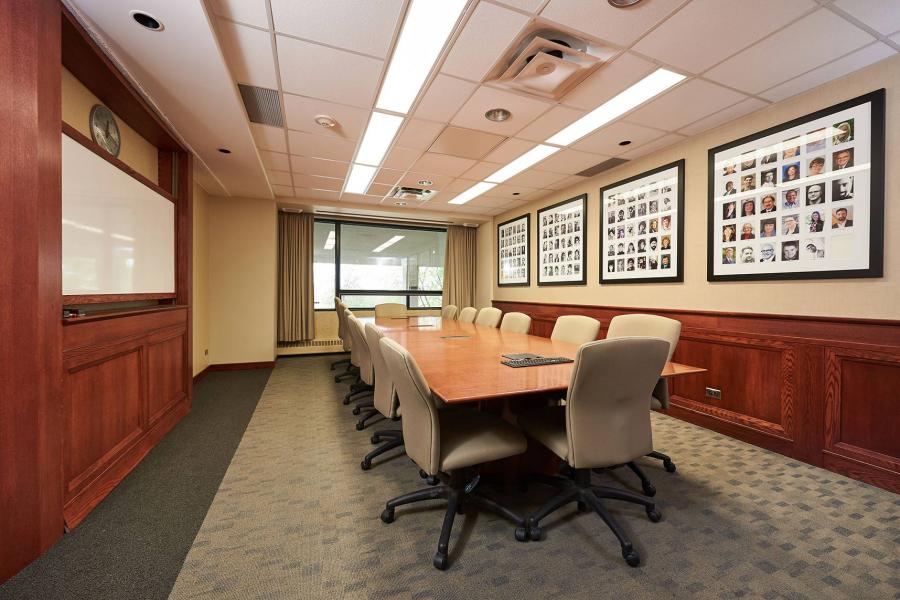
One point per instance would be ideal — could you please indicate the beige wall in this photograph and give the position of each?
(135, 151)
(872, 298)
(484, 275)
(242, 270)
(200, 289)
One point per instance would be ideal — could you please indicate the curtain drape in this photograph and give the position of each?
(459, 266)
(296, 314)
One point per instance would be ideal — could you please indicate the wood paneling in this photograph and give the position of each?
(821, 390)
(165, 355)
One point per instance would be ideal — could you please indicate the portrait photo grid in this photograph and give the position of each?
(561, 232)
(795, 201)
(513, 251)
(639, 229)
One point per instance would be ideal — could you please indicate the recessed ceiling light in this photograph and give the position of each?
(399, 203)
(533, 156)
(516, 193)
(624, 142)
(425, 182)
(473, 192)
(224, 150)
(497, 115)
(325, 121)
(359, 179)
(146, 20)
(377, 139)
(622, 3)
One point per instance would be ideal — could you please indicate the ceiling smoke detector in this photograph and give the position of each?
(497, 115)
(325, 121)
(425, 182)
(622, 3)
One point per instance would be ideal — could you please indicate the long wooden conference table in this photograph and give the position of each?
(462, 361)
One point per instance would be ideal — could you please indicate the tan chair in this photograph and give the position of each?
(384, 400)
(467, 315)
(446, 444)
(575, 329)
(449, 312)
(652, 326)
(515, 322)
(390, 309)
(488, 317)
(604, 423)
(344, 335)
(361, 359)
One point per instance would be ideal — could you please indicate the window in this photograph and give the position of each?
(370, 264)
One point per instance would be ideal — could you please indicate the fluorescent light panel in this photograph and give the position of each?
(377, 139)
(533, 156)
(473, 192)
(390, 242)
(359, 179)
(427, 26)
(648, 87)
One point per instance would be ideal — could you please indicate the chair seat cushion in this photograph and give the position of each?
(548, 426)
(469, 438)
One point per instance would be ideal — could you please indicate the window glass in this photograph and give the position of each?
(324, 243)
(369, 301)
(391, 258)
(425, 301)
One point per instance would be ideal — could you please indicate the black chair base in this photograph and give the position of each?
(369, 413)
(646, 485)
(668, 465)
(458, 495)
(394, 440)
(343, 361)
(360, 391)
(579, 489)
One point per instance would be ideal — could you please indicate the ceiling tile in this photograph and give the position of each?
(600, 19)
(710, 27)
(268, 138)
(365, 27)
(280, 178)
(524, 111)
(562, 184)
(536, 179)
(387, 176)
(685, 104)
(317, 194)
(804, 45)
(606, 140)
(379, 189)
(320, 146)
(444, 97)
(527, 5)
(895, 38)
(745, 107)
(488, 32)
(248, 52)
(837, 68)
(301, 113)
(283, 190)
(570, 161)
(312, 70)
(401, 158)
(651, 147)
(486, 201)
(275, 161)
(252, 12)
(438, 182)
(881, 15)
(608, 81)
(458, 186)
(509, 150)
(467, 143)
(360, 199)
(318, 166)
(442, 164)
(318, 183)
(418, 134)
(481, 170)
(550, 123)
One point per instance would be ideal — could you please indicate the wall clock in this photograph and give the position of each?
(104, 130)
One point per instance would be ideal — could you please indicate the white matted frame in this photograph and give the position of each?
(560, 240)
(513, 252)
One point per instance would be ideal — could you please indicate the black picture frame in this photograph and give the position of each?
(583, 245)
(527, 283)
(876, 195)
(678, 277)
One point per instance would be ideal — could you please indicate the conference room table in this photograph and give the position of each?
(462, 362)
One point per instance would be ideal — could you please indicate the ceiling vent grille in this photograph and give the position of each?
(263, 105)
(606, 165)
(410, 193)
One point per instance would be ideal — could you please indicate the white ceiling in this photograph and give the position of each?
(329, 57)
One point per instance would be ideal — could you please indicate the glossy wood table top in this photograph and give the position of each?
(461, 361)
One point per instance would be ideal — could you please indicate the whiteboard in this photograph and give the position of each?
(118, 235)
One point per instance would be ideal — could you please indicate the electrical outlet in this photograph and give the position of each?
(206, 352)
(714, 393)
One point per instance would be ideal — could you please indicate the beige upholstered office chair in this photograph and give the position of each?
(488, 316)
(346, 343)
(467, 315)
(449, 312)
(384, 400)
(361, 358)
(604, 423)
(515, 322)
(575, 329)
(445, 444)
(652, 326)
(390, 309)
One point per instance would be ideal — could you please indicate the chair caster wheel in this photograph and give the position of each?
(535, 533)
(582, 506)
(653, 514)
(432, 480)
(669, 466)
(365, 465)
(423, 474)
(387, 515)
(346, 401)
(337, 379)
(356, 410)
(440, 561)
(360, 426)
(375, 439)
(631, 557)
(521, 534)
(649, 490)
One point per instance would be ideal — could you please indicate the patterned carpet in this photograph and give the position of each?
(295, 517)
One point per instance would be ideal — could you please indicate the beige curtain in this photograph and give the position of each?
(459, 267)
(296, 316)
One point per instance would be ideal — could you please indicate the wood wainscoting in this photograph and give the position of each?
(825, 391)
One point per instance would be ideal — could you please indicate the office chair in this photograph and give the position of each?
(361, 357)
(338, 308)
(659, 327)
(390, 309)
(488, 316)
(515, 322)
(467, 315)
(575, 329)
(384, 400)
(449, 312)
(446, 444)
(604, 423)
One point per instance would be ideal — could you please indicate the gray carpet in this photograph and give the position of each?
(134, 543)
(296, 518)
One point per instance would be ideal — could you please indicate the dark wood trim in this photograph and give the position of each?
(103, 298)
(201, 375)
(266, 364)
(120, 312)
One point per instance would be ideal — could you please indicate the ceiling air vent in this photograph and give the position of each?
(606, 165)
(410, 193)
(263, 105)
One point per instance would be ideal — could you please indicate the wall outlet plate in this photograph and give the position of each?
(713, 393)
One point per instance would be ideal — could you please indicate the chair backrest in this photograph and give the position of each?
(467, 315)
(421, 427)
(383, 398)
(343, 333)
(390, 309)
(650, 326)
(489, 316)
(575, 329)
(449, 312)
(360, 356)
(608, 402)
(516, 322)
